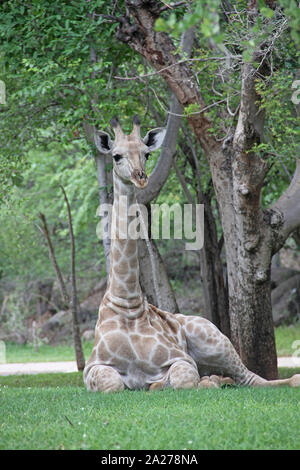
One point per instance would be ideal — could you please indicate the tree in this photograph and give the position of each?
(72, 300)
(68, 65)
(66, 85)
(252, 234)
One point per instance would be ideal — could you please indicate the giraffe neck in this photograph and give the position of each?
(124, 294)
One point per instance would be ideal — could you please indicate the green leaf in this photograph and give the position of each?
(267, 12)
(247, 55)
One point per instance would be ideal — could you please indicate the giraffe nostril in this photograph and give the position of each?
(139, 174)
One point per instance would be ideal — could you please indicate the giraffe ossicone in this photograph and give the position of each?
(137, 345)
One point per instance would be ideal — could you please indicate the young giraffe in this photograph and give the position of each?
(138, 346)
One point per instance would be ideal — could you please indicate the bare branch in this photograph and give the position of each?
(74, 303)
(183, 184)
(61, 283)
(171, 6)
(286, 210)
(151, 74)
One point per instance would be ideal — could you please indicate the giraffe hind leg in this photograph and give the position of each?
(102, 378)
(209, 347)
(293, 381)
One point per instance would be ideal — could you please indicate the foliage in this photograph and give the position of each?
(71, 167)
(282, 134)
(58, 60)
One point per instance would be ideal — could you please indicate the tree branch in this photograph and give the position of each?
(61, 283)
(160, 52)
(285, 216)
(73, 301)
(101, 162)
(162, 169)
(183, 184)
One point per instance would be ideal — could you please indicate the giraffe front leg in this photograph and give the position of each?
(102, 378)
(182, 374)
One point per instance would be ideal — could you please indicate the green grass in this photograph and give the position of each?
(46, 353)
(70, 379)
(74, 379)
(69, 417)
(285, 336)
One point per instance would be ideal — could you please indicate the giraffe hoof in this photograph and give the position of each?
(156, 386)
(295, 381)
(207, 383)
(216, 379)
(227, 381)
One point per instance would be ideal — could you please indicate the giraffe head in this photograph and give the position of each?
(130, 152)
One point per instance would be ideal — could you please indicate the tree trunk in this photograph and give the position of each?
(251, 321)
(73, 298)
(166, 300)
(211, 268)
(102, 177)
(215, 291)
(248, 243)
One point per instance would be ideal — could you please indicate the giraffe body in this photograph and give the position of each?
(137, 345)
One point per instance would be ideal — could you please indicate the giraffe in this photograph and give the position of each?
(137, 345)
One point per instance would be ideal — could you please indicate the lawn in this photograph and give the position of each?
(54, 411)
(285, 337)
(68, 417)
(46, 353)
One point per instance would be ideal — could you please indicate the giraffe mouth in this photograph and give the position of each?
(139, 178)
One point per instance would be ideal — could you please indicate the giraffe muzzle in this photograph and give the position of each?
(139, 178)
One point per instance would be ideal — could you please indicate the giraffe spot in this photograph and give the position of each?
(133, 263)
(160, 356)
(157, 326)
(131, 278)
(130, 251)
(200, 333)
(108, 327)
(103, 354)
(143, 346)
(116, 253)
(167, 339)
(119, 345)
(175, 353)
(144, 329)
(122, 267)
(118, 288)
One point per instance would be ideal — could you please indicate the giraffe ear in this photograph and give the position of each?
(103, 142)
(155, 138)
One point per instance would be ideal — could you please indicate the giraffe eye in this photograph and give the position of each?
(117, 157)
